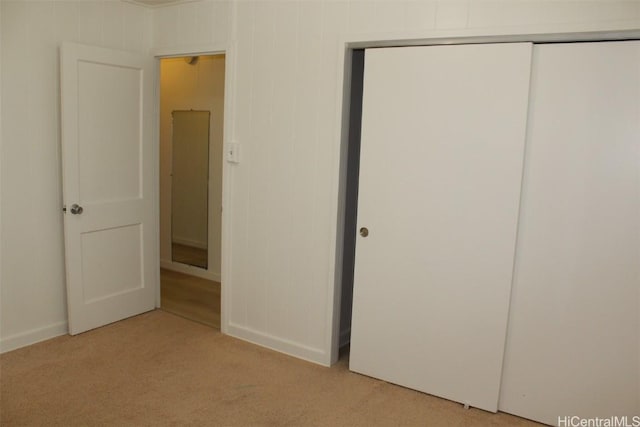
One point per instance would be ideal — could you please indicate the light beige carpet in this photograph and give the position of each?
(158, 369)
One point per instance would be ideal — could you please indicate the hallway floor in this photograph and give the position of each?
(191, 297)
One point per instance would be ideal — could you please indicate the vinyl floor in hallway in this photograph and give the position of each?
(191, 297)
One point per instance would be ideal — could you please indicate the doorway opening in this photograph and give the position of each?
(351, 198)
(191, 157)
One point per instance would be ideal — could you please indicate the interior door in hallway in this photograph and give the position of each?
(443, 133)
(110, 224)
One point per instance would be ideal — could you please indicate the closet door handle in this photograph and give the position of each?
(364, 231)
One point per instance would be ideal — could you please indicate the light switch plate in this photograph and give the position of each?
(233, 153)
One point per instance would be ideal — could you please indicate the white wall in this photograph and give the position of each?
(287, 91)
(193, 24)
(192, 87)
(32, 271)
(283, 210)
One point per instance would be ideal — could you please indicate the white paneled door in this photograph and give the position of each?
(573, 347)
(110, 227)
(443, 132)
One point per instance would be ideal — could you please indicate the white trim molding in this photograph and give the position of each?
(205, 49)
(291, 348)
(33, 336)
(224, 276)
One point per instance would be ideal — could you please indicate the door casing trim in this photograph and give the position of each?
(227, 49)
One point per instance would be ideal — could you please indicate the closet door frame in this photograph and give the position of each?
(345, 47)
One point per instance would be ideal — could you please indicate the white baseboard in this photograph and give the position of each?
(23, 339)
(283, 346)
(345, 337)
(190, 269)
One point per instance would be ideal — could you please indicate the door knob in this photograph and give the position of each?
(364, 231)
(76, 209)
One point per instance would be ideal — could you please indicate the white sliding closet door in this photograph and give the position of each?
(573, 341)
(443, 133)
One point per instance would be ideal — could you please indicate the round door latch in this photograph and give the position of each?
(364, 231)
(76, 209)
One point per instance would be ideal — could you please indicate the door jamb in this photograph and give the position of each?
(229, 95)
